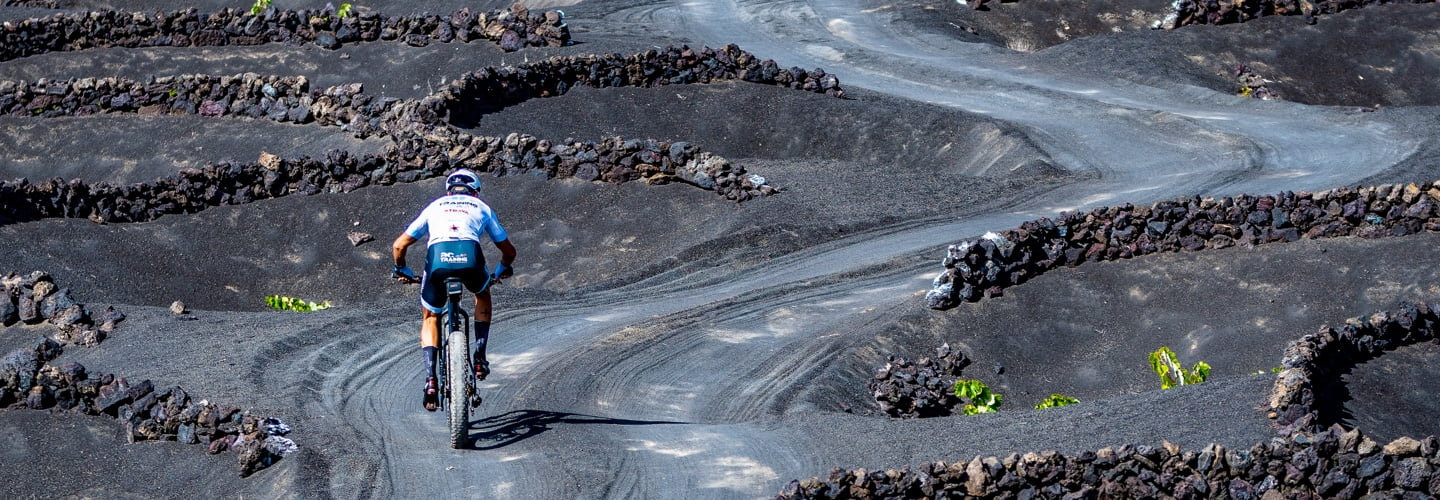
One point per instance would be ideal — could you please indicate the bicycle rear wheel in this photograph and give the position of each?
(456, 388)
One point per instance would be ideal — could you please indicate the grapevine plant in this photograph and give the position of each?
(978, 396)
(284, 303)
(1167, 366)
(1056, 399)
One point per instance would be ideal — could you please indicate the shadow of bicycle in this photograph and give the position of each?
(506, 429)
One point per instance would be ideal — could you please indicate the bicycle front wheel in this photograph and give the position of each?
(456, 388)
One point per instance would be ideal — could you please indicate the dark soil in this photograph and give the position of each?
(660, 341)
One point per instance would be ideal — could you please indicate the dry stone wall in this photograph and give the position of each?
(986, 266)
(424, 143)
(34, 298)
(1331, 351)
(1330, 463)
(1187, 12)
(28, 379)
(512, 29)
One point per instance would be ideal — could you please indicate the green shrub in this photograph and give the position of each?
(344, 11)
(284, 303)
(259, 6)
(1167, 366)
(977, 395)
(1056, 399)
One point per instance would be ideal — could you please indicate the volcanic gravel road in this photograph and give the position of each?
(701, 382)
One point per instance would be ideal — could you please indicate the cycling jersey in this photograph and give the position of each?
(455, 224)
(457, 217)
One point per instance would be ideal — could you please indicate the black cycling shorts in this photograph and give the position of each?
(450, 259)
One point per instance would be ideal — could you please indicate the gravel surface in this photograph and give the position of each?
(659, 341)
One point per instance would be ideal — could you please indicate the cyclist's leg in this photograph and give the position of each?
(430, 334)
(482, 333)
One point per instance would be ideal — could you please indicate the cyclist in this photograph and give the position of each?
(456, 223)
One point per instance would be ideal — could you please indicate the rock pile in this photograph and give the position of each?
(28, 380)
(1332, 463)
(512, 29)
(924, 388)
(1187, 12)
(1331, 351)
(34, 298)
(1252, 84)
(984, 267)
(18, 371)
(425, 144)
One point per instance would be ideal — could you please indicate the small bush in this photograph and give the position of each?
(1167, 366)
(1056, 399)
(977, 395)
(284, 303)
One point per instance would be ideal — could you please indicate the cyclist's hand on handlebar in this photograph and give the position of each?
(501, 272)
(403, 274)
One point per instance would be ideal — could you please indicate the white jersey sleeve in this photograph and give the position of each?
(457, 217)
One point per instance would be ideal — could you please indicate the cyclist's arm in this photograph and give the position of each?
(507, 252)
(398, 248)
(413, 232)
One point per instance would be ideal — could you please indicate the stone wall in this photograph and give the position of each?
(29, 380)
(511, 29)
(1305, 460)
(424, 145)
(1331, 351)
(34, 298)
(1187, 12)
(986, 266)
(1330, 463)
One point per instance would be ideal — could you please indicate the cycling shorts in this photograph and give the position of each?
(451, 259)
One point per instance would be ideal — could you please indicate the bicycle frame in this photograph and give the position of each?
(454, 319)
(456, 322)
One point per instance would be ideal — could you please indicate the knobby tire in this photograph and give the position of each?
(457, 388)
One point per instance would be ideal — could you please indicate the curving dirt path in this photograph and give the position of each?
(701, 381)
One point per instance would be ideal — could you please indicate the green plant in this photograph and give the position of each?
(344, 11)
(1056, 399)
(259, 6)
(284, 303)
(1167, 366)
(978, 396)
(1262, 372)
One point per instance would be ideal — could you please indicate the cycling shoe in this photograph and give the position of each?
(431, 400)
(482, 368)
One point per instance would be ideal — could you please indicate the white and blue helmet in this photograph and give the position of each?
(463, 177)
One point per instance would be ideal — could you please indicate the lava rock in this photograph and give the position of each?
(9, 312)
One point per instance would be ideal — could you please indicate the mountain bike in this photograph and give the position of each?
(455, 369)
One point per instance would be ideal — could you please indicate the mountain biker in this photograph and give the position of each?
(457, 222)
